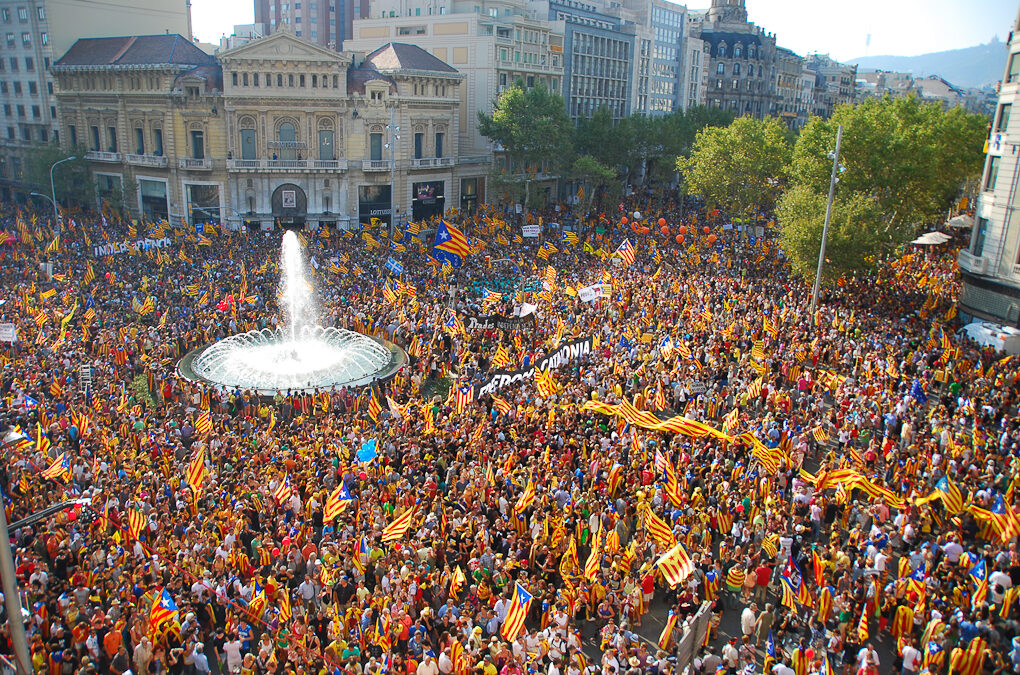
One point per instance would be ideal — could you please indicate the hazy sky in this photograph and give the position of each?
(897, 27)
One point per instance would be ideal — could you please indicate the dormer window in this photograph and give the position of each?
(721, 50)
(376, 95)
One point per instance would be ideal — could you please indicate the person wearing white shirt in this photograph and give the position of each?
(428, 666)
(998, 583)
(445, 663)
(783, 669)
(953, 551)
(911, 659)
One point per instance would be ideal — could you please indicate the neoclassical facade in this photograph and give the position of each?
(345, 135)
(146, 111)
(281, 130)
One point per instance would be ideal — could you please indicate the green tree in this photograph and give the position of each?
(599, 181)
(910, 157)
(70, 180)
(533, 130)
(608, 143)
(121, 198)
(857, 231)
(740, 168)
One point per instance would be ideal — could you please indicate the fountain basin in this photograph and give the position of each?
(316, 358)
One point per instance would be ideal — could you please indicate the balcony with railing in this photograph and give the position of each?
(432, 162)
(376, 165)
(286, 165)
(102, 156)
(195, 164)
(158, 161)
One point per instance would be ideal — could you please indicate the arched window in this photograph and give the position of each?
(286, 134)
(736, 51)
(721, 50)
(720, 69)
(327, 140)
(750, 51)
(247, 130)
(736, 70)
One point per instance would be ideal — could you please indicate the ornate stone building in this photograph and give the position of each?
(741, 60)
(147, 109)
(276, 130)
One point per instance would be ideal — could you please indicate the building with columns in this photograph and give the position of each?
(275, 130)
(148, 111)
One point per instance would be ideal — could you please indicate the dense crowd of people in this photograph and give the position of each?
(811, 492)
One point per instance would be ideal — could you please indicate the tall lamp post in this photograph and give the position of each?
(53, 190)
(828, 217)
(394, 137)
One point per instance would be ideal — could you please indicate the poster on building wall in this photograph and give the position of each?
(288, 199)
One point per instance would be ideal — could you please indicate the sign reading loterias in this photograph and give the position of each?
(117, 247)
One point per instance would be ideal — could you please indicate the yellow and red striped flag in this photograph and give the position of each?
(196, 472)
(399, 527)
(526, 498)
(675, 565)
(514, 622)
(204, 424)
(659, 530)
(136, 522)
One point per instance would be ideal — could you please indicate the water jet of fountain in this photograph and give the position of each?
(295, 296)
(300, 355)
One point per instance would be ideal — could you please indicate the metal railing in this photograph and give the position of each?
(102, 156)
(432, 162)
(376, 165)
(287, 164)
(146, 160)
(192, 163)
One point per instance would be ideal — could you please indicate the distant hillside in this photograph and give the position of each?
(970, 67)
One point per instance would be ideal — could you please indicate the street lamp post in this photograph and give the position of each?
(828, 216)
(394, 137)
(53, 190)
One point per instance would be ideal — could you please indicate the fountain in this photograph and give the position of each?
(299, 355)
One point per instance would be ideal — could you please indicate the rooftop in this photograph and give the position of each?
(136, 50)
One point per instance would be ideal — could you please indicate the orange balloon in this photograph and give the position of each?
(664, 230)
(680, 238)
(662, 222)
(623, 220)
(705, 229)
(645, 230)
(712, 238)
(683, 229)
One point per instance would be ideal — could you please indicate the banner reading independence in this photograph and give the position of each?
(565, 354)
(124, 246)
(497, 322)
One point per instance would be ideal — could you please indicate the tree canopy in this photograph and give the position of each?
(904, 162)
(910, 156)
(532, 128)
(856, 230)
(741, 168)
(70, 179)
